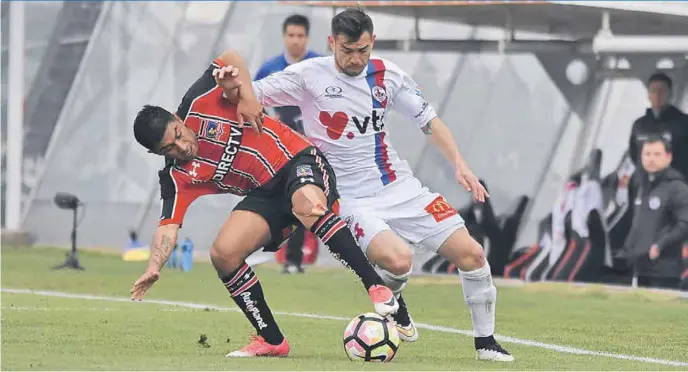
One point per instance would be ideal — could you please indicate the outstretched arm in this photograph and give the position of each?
(410, 102)
(164, 240)
(441, 137)
(243, 76)
(232, 75)
(176, 195)
(284, 88)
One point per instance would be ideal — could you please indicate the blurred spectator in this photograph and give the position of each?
(664, 119)
(134, 241)
(660, 219)
(295, 30)
(186, 248)
(135, 250)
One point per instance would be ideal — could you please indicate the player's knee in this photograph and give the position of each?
(399, 263)
(475, 255)
(470, 256)
(309, 201)
(464, 252)
(225, 259)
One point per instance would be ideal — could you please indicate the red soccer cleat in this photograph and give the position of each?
(384, 300)
(260, 348)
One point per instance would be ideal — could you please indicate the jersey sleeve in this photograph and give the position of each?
(284, 88)
(176, 195)
(409, 101)
(201, 86)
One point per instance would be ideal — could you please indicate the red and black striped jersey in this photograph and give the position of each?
(232, 158)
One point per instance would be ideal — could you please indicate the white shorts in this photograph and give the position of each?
(408, 209)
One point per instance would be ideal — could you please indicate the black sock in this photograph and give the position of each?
(483, 342)
(333, 232)
(247, 292)
(402, 315)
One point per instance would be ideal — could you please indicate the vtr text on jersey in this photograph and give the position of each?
(377, 120)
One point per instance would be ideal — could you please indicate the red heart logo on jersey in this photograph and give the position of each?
(335, 123)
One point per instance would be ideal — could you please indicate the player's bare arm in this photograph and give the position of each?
(164, 241)
(235, 79)
(441, 137)
(227, 78)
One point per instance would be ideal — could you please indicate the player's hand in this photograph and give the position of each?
(252, 111)
(471, 183)
(227, 77)
(654, 252)
(143, 284)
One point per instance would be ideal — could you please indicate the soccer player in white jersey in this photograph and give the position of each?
(344, 99)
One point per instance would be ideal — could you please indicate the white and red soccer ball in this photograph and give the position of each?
(372, 338)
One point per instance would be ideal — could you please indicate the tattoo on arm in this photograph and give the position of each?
(161, 251)
(427, 129)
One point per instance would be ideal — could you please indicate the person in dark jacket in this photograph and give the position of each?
(664, 119)
(660, 218)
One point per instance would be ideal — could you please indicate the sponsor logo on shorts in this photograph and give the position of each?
(440, 209)
(304, 170)
(253, 310)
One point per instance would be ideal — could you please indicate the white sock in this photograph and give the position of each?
(394, 282)
(480, 296)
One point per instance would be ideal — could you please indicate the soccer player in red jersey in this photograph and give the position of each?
(211, 149)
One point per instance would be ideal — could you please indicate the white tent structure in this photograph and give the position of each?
(528, 90)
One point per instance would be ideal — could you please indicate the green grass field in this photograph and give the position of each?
(56, 333)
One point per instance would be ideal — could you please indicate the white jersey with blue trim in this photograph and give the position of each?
(344, 116)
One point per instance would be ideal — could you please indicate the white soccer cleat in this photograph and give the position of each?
(494, 353)
(408, 333)
(384, 300)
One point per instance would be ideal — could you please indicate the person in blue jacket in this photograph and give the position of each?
(295, 30)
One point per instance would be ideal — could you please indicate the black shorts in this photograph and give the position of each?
(273, 200)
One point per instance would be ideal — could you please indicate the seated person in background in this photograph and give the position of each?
(660, 218)
(662, 119)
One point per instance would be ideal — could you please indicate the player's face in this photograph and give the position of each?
(658, 94)
(295, 40)
(352, 57)
(179, 142)
(655, 157)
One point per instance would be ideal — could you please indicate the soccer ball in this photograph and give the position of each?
(372, 338)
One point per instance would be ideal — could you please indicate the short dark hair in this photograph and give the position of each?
(660, 76)
(150, 125)
(296, 20)
(352, 23)
(656, 138)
